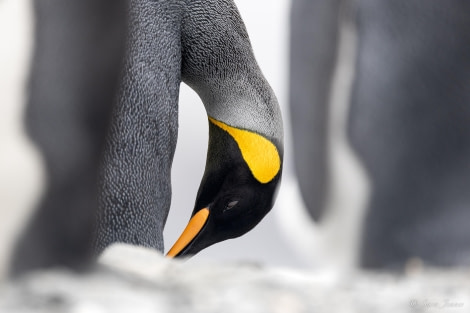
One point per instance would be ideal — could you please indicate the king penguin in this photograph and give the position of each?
(73, 79)
(406, 126)
(204, 44)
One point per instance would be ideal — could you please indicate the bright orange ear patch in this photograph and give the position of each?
(259, 153)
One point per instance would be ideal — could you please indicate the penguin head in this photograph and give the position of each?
(243, 171)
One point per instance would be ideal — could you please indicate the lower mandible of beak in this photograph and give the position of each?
(194, 227)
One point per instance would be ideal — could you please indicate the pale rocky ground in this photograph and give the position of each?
(136, 280)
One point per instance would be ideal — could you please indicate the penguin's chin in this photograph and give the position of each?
(185, 245)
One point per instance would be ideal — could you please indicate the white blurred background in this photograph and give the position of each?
(20, 170)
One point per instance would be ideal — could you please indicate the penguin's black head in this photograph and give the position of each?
(242, 173)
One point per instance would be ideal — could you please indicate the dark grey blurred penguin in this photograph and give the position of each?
(204, 44)
(408, 122)
(74, 76)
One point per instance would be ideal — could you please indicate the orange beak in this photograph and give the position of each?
(194, 227)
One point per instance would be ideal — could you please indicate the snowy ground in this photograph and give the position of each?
(146, 282)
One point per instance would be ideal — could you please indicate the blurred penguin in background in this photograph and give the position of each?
(74, 93)
(380, 116)
(74, 76)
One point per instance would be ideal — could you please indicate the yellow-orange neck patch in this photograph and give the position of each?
(259, 153)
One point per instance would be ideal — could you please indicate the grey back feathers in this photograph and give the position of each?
(136, 169)
(218, 63)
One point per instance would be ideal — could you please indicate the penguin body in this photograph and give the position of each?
(407, 124)
(204, 44)
(214, 57)
(411, 84)
(135, 181)
(74, 77)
